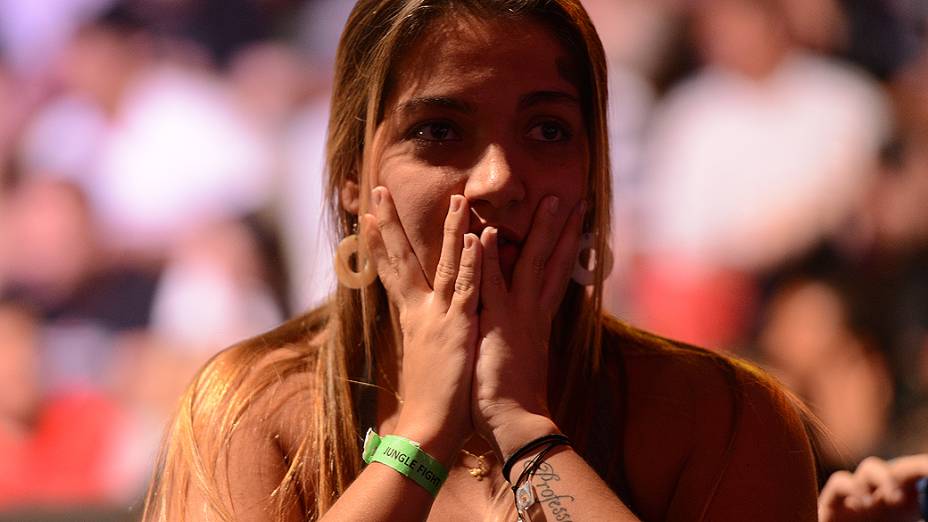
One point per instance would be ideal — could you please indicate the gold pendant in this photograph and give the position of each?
(480, 470)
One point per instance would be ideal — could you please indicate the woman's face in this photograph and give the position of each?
(485, 108)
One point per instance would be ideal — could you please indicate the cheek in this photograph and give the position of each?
(421, 195)
(565, 174)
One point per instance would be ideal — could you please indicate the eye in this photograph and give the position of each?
(435, 131)
(549, 131)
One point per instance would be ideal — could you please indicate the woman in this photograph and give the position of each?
(468, 144)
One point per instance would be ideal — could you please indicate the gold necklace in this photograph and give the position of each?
(481, 469)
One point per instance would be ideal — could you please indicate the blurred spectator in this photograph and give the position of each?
(52, 261)
(910, 91)
(270, 80)
(894, 264)
(55, 449)
(751, 162)
(165, 146)
(214, 291)
(147, 374)
(876, 490)
(33, 33)
(817, 25)
(637, 34)
(819, 346)
(50, 245)
(18, 367)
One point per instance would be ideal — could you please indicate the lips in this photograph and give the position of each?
(509, 246)
(505, 237)
(508, 236)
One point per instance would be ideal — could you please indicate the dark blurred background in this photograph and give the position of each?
(161, 197)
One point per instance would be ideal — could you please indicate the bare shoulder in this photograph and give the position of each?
(722, 439)
(281, 381)
(768, 468)
(262, 383)
(240, 420)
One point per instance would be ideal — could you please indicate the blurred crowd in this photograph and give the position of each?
(161, 196)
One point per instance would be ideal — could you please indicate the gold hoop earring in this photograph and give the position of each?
(583, 275)
(347, 276)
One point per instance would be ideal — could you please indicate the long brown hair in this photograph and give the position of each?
(346, 331)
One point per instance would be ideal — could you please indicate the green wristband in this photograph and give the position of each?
(404, 456)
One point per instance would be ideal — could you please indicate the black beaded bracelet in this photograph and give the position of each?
(556, 438)
(523, 495)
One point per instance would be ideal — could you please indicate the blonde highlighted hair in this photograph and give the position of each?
(347, 332)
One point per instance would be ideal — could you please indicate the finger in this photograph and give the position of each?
(377, 251)
(398, 257)
(447, 271)
(562, 261)
(876, 474)
(492, 283)
(467, 284)
(546, 228)
(907, 470)
(843, 490)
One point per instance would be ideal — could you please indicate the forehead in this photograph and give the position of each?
(471, 56)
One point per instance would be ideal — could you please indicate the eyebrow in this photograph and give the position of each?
(526, 101)
(436, 101)
(538, 97)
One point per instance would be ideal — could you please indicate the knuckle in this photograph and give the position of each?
(465, 281)
(394, 262)
(496, 280)
(464, 286)
(445, 271)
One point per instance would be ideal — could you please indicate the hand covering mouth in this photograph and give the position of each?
(509, 246)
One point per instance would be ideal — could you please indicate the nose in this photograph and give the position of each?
(493, 181)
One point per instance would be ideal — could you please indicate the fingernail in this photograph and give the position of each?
(866, 500)
(456, 201)
(553, 203)
(469, 241)
(378, 197)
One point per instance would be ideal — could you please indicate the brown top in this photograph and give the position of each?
(662, 423)
(679, 433)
